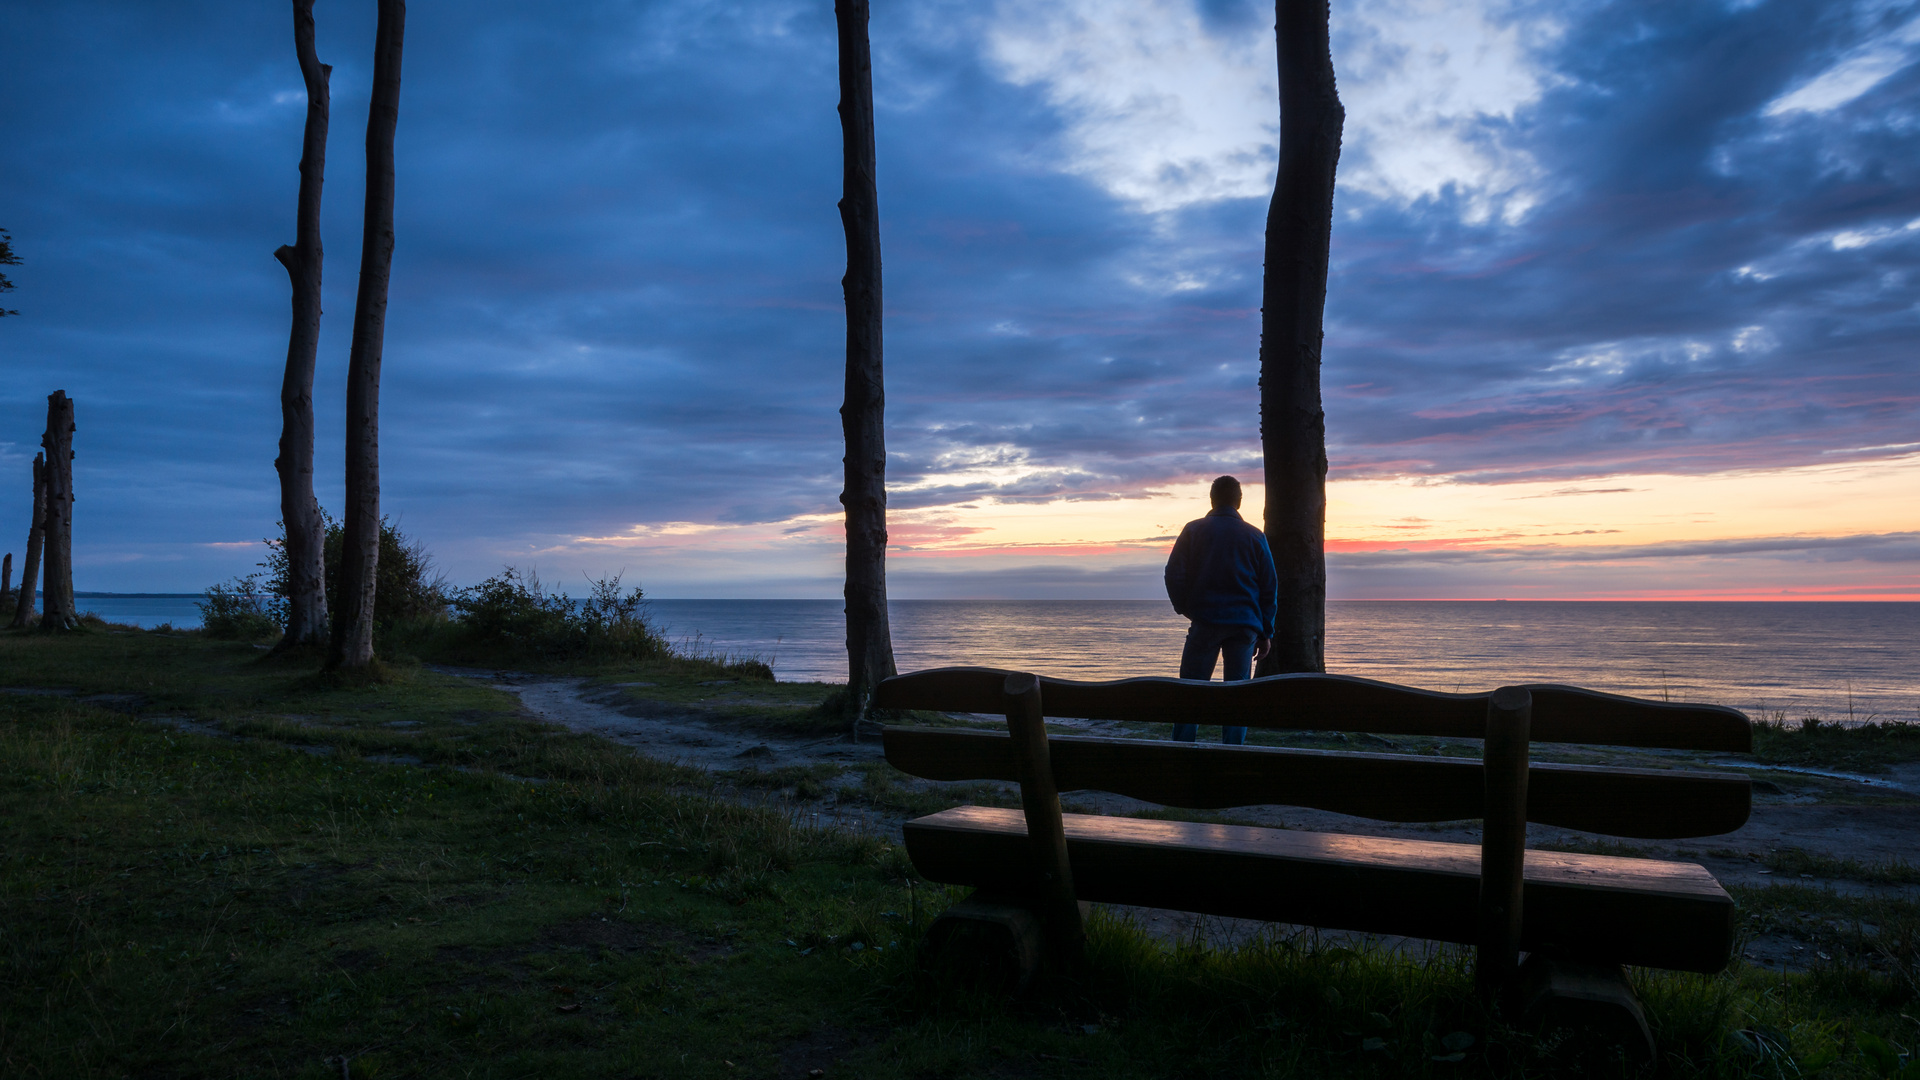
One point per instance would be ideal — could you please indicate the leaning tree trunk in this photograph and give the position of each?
(862, 416)
(1293, 427)
(360, 554)
(299, 510)
(36, 540)
(56, 604)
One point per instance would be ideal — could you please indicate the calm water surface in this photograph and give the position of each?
(1833, 660)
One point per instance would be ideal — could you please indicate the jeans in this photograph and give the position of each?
(1207, 642)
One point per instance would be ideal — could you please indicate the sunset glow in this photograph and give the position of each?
(1729, 533)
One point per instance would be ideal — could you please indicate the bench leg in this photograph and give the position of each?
(989, 941)
(1585, 995)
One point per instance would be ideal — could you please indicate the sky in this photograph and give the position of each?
(1624, 299)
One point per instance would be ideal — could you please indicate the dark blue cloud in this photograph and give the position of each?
(1606, 331)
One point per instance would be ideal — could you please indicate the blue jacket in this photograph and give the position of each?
(1221, 572)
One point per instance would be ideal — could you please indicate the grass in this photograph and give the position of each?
(1868, 747)
(187, 905)
(282, 885)
(785, 710)
(1874, 941)
(1799, 861)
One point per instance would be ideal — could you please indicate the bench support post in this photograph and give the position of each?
(1503, 840)
(1040, 799)
(1560, 991)
(987, 941)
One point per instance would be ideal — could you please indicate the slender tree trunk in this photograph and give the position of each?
(299, 510)
(863, 415)
(36, 540)
(56, 605)
(6, 576)
(1293, 426)
(360, 555)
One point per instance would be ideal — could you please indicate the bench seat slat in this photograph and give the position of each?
(1336, 703)
(1616, 910)
(1650, 804)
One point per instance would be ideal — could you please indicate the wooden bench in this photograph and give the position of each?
(1581, 916)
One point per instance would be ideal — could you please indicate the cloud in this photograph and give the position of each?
(1168, 105)
(1433, 90)
(1861, 69)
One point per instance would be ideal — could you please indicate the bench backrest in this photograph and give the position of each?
(1335, 703)
(1624, 802)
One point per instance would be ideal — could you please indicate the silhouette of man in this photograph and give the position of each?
(1221, 577)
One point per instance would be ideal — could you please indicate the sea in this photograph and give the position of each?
(1840, 662)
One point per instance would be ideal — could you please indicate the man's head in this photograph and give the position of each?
(1225, 493)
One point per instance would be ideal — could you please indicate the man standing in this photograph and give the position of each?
(1221, 576)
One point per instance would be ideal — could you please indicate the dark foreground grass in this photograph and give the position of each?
(197, 905)
(1867, 747)
(1799, 861)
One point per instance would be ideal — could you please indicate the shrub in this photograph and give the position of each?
(406, 585)
(238, 611)
(512, 612)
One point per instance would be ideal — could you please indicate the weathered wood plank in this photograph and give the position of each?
(1600, 908)
(1337, 703)
(1648, 804)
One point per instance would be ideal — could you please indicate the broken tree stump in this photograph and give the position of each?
(56, 585)
(36, 538)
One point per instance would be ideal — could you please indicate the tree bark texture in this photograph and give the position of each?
(360, 557)
(56, 575)
(862, 416)
(1293, 429)
(36, 541)
(299, 510)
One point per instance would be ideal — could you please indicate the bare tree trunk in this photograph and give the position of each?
(863, 415)
(299, 510)
(1293, 426)
(36, 540)
(56, 603)
(360, 555)
(6, 575)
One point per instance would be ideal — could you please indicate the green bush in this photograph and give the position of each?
(238, 611)
(512, 613)
(407, 588)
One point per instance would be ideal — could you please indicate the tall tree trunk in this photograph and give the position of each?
(1293, 427)
(299, 510)
(360, 555)
(6, 576)
(863, 415)
(56, 603)
(36, 540)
